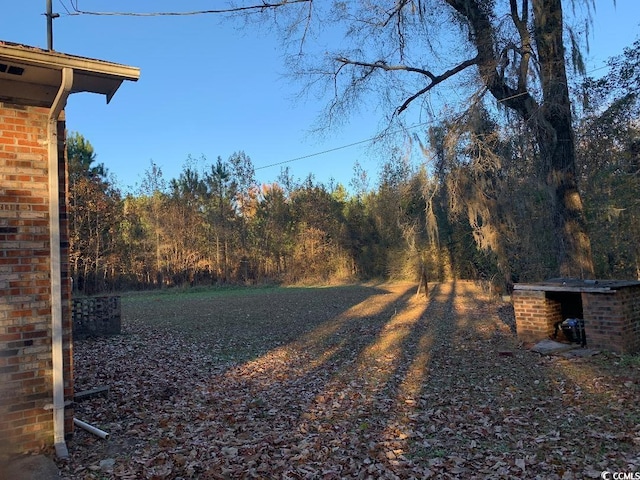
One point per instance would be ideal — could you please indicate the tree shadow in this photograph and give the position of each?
(339, 384)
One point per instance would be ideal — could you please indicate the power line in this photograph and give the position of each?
(360, 142)
(65, 7)
(262, 6)
(316, 154)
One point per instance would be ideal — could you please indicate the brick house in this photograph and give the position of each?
(36, 363)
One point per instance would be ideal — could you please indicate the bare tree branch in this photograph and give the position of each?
(307, 26)
(525, 40)
(434, 79)
(482, 37)
(382, 65)
(437, 80)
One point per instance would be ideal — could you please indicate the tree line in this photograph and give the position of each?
(475, 206)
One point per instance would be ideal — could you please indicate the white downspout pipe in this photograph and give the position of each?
(56, 275)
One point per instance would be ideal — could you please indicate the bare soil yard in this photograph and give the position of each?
(345, 382)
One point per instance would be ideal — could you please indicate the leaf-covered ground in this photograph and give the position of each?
(349, 382)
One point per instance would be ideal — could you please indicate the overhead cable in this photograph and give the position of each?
(262, 6)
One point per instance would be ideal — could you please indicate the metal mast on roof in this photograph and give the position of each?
(50, 16)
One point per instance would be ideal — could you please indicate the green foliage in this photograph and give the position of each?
(81, 158)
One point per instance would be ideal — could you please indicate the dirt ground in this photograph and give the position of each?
(364, 381)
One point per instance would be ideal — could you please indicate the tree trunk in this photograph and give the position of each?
(218, 262)
(555, 138)
(551, 119)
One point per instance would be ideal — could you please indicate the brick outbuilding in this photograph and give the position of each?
(36, 363)
(609, 310)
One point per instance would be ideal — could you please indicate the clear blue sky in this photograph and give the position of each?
(207, 88)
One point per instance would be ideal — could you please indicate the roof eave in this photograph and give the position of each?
(52, 59)
(43, 72)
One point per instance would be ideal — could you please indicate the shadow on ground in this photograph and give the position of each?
(347, 383)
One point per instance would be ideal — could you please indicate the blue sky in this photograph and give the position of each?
(207, 88)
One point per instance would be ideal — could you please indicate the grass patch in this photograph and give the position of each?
(237, 323)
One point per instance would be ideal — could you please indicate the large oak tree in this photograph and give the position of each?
(399, 51)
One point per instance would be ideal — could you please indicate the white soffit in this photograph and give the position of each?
(31, 76)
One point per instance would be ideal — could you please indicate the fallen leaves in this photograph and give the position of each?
(385, 386)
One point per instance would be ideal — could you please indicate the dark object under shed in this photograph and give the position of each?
(573, 330)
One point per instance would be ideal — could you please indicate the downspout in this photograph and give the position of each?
(56, 274)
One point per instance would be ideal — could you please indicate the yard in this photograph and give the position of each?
(344, 382)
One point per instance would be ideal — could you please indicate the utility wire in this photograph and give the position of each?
(65, 7)
(263, 6)
(322, 152)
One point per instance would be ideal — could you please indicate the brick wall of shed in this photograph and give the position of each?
(612, 320)
(535, 315)
(26, 421)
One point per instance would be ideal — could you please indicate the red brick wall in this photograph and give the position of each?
(612, 321)
(25, 305)
(535, 314)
